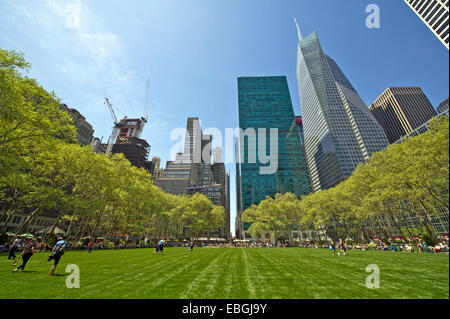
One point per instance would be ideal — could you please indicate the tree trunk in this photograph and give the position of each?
(365, 237)
(439, 200)
(82, 230)
(52, 229)
(8, 215)
(70, 224)
(394, 220)
(27, 220)
(424, 222)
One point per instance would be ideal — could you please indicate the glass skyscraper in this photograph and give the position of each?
(265, 103)
(339, 130)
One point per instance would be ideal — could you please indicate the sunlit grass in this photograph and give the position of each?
(230, 273)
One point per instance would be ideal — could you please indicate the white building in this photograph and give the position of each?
(434, 13)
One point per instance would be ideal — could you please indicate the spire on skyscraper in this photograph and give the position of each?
(300, 38)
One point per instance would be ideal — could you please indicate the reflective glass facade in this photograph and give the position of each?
(339, 130)
(265, 102)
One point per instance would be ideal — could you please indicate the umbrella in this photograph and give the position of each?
(10, 234)
(101, 238)
(56, 231)
(28, 235)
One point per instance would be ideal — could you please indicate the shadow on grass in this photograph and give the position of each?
(61, 275)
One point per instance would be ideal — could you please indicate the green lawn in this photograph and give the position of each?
(230, 273)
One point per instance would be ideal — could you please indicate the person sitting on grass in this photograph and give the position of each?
(26, 254)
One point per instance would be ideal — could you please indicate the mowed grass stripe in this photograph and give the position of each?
(205, 280)
(123, 272)
(176, 278)
(397, 270)
(230, 273)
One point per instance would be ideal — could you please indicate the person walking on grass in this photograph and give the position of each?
(14, 247)
(161, 246)
(91, 243)
(342, 247)
(333, 247)
(26, 254)
(57, 252)
(156, 248)
(191, 245)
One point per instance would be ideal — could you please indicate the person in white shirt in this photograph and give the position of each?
(14, 248)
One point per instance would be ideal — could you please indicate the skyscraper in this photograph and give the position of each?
(297, 125)
(434, 13)
(401, 110)
(192, 172)
(443, 107)
(339, 130)
(265, 103)
(174, 179)
(238, 224)
(85, 131)
(135, 149)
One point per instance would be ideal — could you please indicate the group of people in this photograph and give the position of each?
(19, 243)
(29, 249)
(335, 246)
(159, 247)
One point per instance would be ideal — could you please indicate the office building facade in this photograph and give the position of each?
(85, 131)
(434, 13)
(265, 103)
(443, 107)
(401, 110)
(192, 172)
(339, 130)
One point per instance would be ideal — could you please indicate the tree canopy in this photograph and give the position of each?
(407, 180)
(43, 171)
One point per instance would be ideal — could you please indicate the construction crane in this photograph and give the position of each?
(116, 129)
(147, 91)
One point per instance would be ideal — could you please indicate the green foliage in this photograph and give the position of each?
(51, 241)
(372, 245)
(43, 170)
(3, 238)
(429, 240)
(406, 179)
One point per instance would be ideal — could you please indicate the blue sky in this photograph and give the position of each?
(192, 51)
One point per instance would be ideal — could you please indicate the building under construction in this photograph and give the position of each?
(127, 142)
(135, 149)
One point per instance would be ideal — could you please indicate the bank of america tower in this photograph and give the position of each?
(339, 130)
